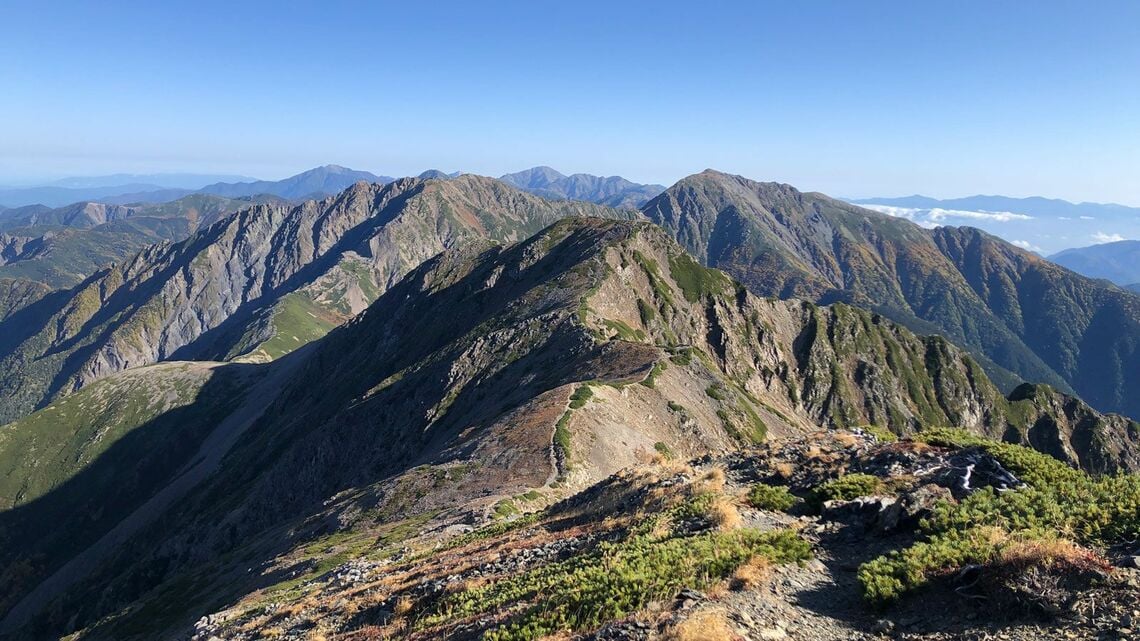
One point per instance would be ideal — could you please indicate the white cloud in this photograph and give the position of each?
(934, 217)
(1088, 218)
(1025, 244)
(1063, 218)
(1101, 237)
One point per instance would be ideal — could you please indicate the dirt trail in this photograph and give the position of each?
(204, 463)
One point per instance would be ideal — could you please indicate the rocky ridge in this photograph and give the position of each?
(215, 294)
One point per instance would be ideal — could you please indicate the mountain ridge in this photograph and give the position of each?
(962, 282)
(176, 300)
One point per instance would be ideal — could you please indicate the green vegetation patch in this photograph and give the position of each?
(562, 435)
(695, 280)
(881, 434)
(612, 581)
(646, 311)
(653, 273)
(683, 357)
(624, 331)
(651, 380)
(776, 498)
(1091, 511)
(297, 321)
(846, 488)
(581, 396)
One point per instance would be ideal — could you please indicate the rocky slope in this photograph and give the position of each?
(1017, 312)
(270, 271)
(488, 377)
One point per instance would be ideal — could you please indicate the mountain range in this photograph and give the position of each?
(221, 435)
(485, 373)
(612, 191)
(1018, 313)
(260, 280)
(58, 247)
(327, 180)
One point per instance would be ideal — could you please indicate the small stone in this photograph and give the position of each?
(883, 626)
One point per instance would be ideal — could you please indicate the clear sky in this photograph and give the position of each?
(851, 98)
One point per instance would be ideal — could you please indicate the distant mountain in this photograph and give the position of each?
(1033, 205)
(1134, 287)
(61, 247)
(1118, 262)
(170, 181)
(259, 283)
(612, 191)
(1018, 312)
(329, 179)
(438, 174)
(1042, 225)
(486, 378)
(314, 183)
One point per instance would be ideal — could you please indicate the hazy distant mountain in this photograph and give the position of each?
(170, 181)
(1019, 311)
(439, 174)
(1033, 205)
(613, 191)
(1042, 225)
(314, 183)
(1118, 262)
(326, 180)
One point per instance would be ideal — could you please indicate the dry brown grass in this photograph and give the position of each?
(846, 439)
(784, 469)
(711, 481)
(403, 606)
(752, 574)
(724, 515)
(271, 633)
(1050, 553)
(709, 625)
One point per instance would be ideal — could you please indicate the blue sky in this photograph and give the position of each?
(851, 98)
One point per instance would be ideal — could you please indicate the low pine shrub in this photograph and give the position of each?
(776, 498)
(1092, 511)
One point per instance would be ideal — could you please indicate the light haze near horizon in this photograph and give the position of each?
(852, 99)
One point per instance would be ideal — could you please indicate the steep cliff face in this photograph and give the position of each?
(535, 369)
(1023, 317)
(217, 293)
